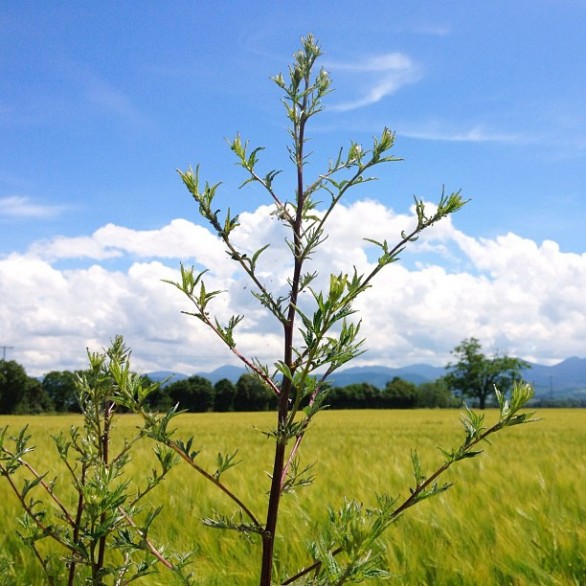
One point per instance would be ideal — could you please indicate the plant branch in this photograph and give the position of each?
(427, 487)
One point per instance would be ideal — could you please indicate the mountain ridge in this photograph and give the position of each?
(567, 378)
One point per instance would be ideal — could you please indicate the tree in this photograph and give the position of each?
(61, 387)
(194, 394)
(252, 395)
(319, 335)
(354, 396)
(34, 399)
(436, 395)
(13, 385)
(224, 391)
(476, 375)
(399, 394)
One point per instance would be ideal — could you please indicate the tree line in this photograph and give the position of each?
(57, 393)
(472, 376)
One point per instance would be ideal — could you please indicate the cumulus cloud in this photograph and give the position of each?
(179, 239)
(376, 77)
(514, 294)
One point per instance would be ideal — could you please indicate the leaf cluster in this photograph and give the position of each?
(95, 518)
(318, 335)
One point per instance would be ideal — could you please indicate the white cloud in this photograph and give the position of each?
(441, 132)
(112, 100)
(179, 239)
(377, 77)
(18, 206)
(516, 295)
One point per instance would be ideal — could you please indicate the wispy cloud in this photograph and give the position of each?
(19, 206)
(378, 76)
(112, 100)
(435, 30)
(438, 132)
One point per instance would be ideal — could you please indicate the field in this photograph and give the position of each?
(516, 515)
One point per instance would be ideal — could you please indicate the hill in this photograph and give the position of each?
(563, 380)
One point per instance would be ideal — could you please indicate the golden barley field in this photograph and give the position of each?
(516, 515)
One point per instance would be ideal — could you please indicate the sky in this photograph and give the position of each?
(101, 103)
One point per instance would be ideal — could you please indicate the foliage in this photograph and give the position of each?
(400, 394)
(437, 395)
(224, 392)
(479, 532)
(61, 387)
(328, 339)
(477, 376)
(355, 396)
(95, 517)
(58, 392)
(319, 336)
(20, 393)
(252, 395)
(194, 394)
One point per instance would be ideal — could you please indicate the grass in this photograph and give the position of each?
(516, 515)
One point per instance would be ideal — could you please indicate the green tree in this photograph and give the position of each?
(252, 395)
(13, 385)
(354, 396)
(399, 394)
(61, 387)
(194, 394)
(34, 399)
(436, 395)
(476, 375)
(225, 392)
(319, 335)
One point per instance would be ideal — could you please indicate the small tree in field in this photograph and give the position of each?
(476, 375)
(319, 336)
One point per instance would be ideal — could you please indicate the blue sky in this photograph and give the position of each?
(101, 102)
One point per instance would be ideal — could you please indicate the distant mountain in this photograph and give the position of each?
(232, 373)
(166, 375)
(379, 376)
(566, 379)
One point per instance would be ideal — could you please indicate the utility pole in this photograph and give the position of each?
(4, 348)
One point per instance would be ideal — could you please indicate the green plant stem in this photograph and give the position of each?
(146, 540)
(48, 490)
(77, 525)
(268, 540)
(43, 563)
(108, 409)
